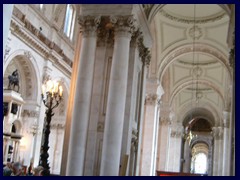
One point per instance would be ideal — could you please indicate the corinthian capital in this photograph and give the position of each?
(123, 25)
(89, 24)
(144, 53)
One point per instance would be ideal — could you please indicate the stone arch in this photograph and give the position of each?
(190, 83)
(18, 126)
(204, 110)
(187, 49)
(153, 10)
(29, 72)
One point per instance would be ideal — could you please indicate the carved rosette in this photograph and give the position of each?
(89, 25)
(195, 32)
(123, 25)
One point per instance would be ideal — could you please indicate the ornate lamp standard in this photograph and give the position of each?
(51, 96)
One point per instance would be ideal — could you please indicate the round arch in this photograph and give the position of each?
(28, 68)
(187, 49)
(183, 86)
(205, 111)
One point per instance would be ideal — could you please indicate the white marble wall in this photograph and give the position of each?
(37, 63)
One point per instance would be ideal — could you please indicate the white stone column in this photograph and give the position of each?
(7, 143)
(82, 101)
(216, 153)
(163, 141)
(187, 158)
(131, 100)
(220, 150)
(174, 151)
(226, 145)
(117, 97)
(148, 134)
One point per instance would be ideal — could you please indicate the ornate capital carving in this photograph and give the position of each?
(144, 52)
(136, 36)
(123, 25)
(89, 25)
(151, 99)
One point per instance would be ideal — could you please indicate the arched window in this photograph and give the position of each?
(69, 21)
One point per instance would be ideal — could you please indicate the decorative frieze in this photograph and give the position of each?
(30, 113)
(192, 21)
(37, 40)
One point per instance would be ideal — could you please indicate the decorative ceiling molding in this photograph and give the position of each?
(195, 32)
(197, 64)
(217, 17)
(190, 83)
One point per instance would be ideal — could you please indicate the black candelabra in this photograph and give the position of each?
(51, 96)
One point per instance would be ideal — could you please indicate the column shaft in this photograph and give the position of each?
(226, 145)
(82, 101)
(115, 105)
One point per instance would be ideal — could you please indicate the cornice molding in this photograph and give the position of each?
(24, 30)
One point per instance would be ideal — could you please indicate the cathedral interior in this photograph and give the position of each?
(120, 89)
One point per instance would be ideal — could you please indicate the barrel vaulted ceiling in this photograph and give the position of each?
(190, 57)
